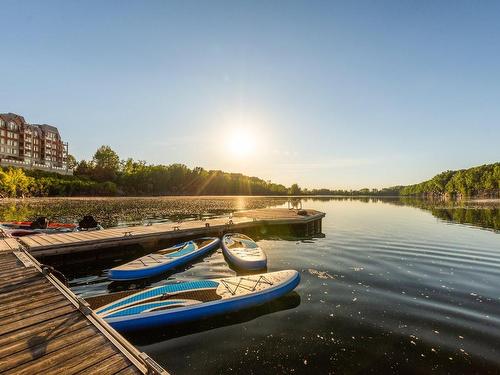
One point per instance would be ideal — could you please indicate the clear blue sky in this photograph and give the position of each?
(332, 94)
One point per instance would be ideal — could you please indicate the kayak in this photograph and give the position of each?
(27, 225)
(243, 252)
(43, 226)
(35, 232)
(20, 229)
(27, 228)
(191, 300)
(164, 260)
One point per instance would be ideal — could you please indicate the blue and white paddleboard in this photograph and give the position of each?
(192, 300)
(163, 260)
(243, 252)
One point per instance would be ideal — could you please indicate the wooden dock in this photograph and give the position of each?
(46, 329)
(74, 242)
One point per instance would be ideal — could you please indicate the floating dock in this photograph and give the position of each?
(46, 329)
(307, 222)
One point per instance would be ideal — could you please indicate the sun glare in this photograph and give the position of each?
(241, 143)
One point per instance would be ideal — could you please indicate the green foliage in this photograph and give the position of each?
(295, 190)
(14, 183)
(17, 183)
(106, 175)
(105, 164)
(71, 161)
(385, 192)
(466, 182)
(137, 178)
(106, 158)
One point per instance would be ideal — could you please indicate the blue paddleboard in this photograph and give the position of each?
(192, 300)
(163, 260)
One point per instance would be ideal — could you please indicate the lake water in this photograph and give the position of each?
(394, 286)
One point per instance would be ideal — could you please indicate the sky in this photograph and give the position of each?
(330, 94)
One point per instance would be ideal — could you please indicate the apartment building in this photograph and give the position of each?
(31, 146)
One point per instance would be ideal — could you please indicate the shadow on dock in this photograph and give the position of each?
(38, 344)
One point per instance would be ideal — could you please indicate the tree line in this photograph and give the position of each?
(483, 180)
(108, 175)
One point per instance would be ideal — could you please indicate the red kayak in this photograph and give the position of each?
(43, 226)
(29, 228)
(28, 225)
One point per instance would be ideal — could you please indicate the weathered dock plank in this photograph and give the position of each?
(8, 244)
(68, 243)
(45, 329)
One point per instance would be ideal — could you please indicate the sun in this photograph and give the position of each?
(241, 142)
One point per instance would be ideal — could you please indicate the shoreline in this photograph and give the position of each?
(290, 197)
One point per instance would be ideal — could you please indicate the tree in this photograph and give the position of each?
(84, 168)
(106, 164)
(465, 182)
(106, 158)
(127, 166)
(294, 190)
(14, 183)
(71, 162)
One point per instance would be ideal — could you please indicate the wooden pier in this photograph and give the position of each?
(46, 329)
(309, 221)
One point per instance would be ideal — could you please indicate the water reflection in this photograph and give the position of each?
(112, 212)
(480, 213)
(484, 214)
(390, 289)
(287, 302)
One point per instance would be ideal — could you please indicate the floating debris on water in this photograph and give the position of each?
(320, 274)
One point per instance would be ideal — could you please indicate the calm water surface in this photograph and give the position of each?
(393, 287)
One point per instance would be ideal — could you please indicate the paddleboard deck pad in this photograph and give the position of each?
(192, 300)
(163, 260)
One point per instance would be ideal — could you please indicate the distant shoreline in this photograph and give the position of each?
(106, 175)
(284, 197)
